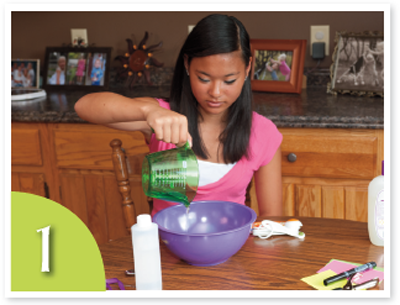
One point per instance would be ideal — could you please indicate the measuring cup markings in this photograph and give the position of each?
(171, 175)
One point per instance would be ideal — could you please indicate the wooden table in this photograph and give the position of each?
(277, 263)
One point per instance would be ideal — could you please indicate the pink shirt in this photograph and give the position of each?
(265, 139)
(284, 68)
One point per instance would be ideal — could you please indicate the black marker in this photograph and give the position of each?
(348, 273)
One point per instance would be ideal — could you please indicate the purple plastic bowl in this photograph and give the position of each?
(211, 233)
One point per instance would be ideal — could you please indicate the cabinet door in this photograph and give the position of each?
(94, 198)
(88, 184)
(31, 159)
(29, 183)
(327, 153)
(83, 146)
(333, 202)
(330, 176)
(327, 198)
(25, 146)
(356, 199)
(308, 200)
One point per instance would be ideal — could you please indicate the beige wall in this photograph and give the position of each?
(32, 32)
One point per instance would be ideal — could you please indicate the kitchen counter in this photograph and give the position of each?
(313, 108)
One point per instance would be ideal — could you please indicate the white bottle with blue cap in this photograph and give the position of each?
(376, 204)
(146, 254)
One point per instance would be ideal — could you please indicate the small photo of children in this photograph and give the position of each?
(56, 68)
(273, 65)
(76, 68)
(25, 73)
(96, 65)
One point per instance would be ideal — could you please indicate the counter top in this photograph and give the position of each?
(313, 108)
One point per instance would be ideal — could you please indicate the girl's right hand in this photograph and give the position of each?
(169, 126)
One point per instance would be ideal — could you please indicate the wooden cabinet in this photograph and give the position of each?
(87, 180)
(71, 164)
(331, 172)
(326, 172)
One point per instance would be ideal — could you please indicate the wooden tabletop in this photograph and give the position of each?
(276, 263)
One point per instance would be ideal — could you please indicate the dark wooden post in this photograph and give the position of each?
(121, 173)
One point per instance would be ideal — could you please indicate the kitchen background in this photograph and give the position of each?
(32, 32)
(337, 139)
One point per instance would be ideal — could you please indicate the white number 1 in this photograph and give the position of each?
(45, 248)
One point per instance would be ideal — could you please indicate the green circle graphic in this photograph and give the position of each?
(74, 259)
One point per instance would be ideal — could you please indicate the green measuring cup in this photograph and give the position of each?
(171, 175)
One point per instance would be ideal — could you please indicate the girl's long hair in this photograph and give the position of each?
(215, 34)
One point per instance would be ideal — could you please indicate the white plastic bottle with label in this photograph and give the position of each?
(146, 254)
(376, 210)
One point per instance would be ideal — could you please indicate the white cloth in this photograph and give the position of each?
(210, 172)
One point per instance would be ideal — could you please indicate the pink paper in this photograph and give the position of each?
(339, 267)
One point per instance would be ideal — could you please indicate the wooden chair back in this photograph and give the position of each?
(127, 168)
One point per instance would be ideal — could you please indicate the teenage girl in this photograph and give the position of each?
(210, 106)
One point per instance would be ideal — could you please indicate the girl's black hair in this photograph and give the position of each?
(215, 34)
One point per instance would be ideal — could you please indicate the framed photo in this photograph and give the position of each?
(25, 73)
(79, 37)
(277, 65)
(357, 66)
(77, 68)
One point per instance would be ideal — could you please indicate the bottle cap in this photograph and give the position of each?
(143, 220)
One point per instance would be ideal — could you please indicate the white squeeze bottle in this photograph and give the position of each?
(146, 254)
(376, 210)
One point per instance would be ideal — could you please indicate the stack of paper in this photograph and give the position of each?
(337, 266)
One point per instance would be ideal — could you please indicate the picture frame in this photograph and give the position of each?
(25, 73)
(79, 38)
(272, 75)
(77, 68)
(358, 64)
